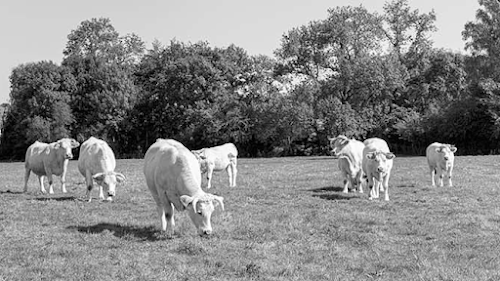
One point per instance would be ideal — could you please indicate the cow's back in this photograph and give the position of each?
(371, 145)
(432, 155)
(170, 167)
(96, 156)
(34, 158)
(222, 155)
(354, 150)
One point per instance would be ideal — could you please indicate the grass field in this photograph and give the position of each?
(286, 220)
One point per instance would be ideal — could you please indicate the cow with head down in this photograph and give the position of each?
(173, 177)
(440, 158)
(377, 166)
(49, 159)
(350, 156)
(97, 163)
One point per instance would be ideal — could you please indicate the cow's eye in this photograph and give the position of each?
(199, 213)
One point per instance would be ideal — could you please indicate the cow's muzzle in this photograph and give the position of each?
(68, 156)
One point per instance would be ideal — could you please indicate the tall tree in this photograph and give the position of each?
(103, 64)
(40, 95)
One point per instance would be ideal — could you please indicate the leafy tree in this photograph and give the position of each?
(40, 95)
(103, 64)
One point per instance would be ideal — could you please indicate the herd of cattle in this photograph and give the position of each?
(173, 172)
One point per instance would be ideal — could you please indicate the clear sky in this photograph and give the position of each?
(34, 30)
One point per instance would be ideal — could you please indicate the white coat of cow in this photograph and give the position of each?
(218, 158)
(440, 158)
(49, 159)
(377, 166)
(350, 159)
(173, 177)
(97, 163)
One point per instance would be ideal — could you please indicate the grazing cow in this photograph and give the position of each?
(377, 165)
(97, 162)
(350, 155)
(48, 159)
(218, 158)
(440, 158)
(174, 180)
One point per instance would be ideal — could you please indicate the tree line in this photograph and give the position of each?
(357, 73)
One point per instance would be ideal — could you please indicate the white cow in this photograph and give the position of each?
(218, 158)
(174, 180)
(97, 162)
(48, 159)
(440, 158)
(350, 158)
(377, 165)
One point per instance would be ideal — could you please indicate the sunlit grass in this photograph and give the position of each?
(287, 219)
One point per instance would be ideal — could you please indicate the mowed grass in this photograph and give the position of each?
(287, 219)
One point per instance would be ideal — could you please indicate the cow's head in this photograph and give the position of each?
(108, 182)
(447, 152)
(380, 161)
(200, 209)
(337, 144)
(64, 147)
(202, 159)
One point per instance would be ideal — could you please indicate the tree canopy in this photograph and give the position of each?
(356, 72)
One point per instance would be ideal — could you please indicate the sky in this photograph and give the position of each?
(33, 30)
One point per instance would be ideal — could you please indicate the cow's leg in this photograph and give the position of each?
(440, 175)
(42, 188)
(235, 172)
(166, 211)
(359, 182)
(370, 186)
(210, 170)
(51, 182)
(90, 185)
(386, 186)
(101, 193)
(26, 178)
(63, 177)
(169, 216)
(450, 172)
(229, 170)
(433, 173)
(346, 182)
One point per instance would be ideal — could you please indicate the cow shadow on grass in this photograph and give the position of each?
(8, 191)
(331, 193)
(55, 198)
(123, 231)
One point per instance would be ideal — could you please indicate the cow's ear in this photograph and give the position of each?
(218, 200)
(453, 149)
(74, 143)
(390, 155)
(99, 177)
(47, 150)
(57, 145)
(186, 200)
(120, 177)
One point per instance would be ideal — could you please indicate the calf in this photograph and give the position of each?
(350, 156)
(48, 159)
(377, 165)
(97, 162)
(440, 158)
(173, 177)
(218, 158)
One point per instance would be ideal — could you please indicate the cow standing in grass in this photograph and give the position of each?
(218, 158)
(173, 177)
(377, 166)
(350, 158)
(97, 163)
(440, 158)
(49, 159)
